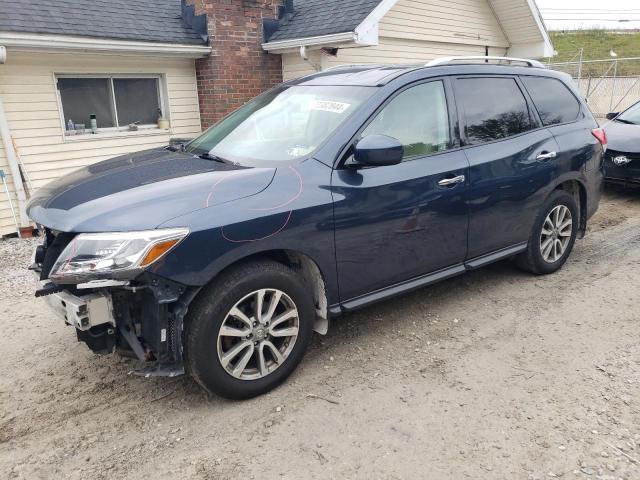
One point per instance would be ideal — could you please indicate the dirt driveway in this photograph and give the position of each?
(493, 375)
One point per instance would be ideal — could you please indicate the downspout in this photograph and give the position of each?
(12, 157)
(303, 55)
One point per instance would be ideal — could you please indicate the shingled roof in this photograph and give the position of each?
(312, 18)
(138, 20)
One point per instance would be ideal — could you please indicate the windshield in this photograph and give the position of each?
(283, 124)
(632, 115)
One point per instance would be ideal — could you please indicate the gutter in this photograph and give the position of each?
(322, 40)
(66, 43)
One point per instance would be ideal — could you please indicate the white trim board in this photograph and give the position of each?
(65, 43)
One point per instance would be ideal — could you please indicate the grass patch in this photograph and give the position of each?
(597, 44)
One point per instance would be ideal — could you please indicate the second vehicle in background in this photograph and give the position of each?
(622, 160)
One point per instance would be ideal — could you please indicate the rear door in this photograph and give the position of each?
(560, 112)
(512, 160)
(397, 222)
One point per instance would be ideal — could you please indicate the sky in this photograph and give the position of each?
(576, 14)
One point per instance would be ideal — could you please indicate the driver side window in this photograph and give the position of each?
(418, 118)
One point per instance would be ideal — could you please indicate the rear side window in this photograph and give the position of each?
(553, 100)
(494, 108)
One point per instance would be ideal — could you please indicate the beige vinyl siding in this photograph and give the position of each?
(294, 66)
(415, 31)
(449, 21)
(27, 89)
(396, 50)
(389, 50)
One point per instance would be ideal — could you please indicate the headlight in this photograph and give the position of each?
(118, 255)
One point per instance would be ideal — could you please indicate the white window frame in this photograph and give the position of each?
(119, 129)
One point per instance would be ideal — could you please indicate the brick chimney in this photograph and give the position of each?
(238, 68)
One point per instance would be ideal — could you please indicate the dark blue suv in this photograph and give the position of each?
(221, 256)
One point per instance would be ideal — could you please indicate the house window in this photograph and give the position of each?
(118, 103)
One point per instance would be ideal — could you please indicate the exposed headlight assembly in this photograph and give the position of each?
(117, 255)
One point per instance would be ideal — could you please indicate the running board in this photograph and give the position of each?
(425, 280)
(495, 256)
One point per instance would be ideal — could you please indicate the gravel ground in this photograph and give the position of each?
(493, 375)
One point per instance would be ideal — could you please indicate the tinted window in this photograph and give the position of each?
(552, 98)
(494, 108)
(418, 118)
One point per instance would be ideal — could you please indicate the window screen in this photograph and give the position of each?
(418, 118)
(82, 97)
(136, 100)
(116, 102)
(553, 100)
(494, 108)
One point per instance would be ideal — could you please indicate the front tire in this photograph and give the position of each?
(553, 236)
(248, 330)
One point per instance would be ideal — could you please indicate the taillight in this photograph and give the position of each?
(601, 135)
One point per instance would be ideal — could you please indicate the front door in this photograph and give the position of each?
(394, 223)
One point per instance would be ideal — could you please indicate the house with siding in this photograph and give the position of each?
(150, 70)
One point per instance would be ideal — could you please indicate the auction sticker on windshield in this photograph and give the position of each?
(329, 106)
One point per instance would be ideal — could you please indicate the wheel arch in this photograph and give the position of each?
(578, 190)
(304, 265)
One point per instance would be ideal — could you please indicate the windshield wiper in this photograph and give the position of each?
(622, 120)
(215, 158)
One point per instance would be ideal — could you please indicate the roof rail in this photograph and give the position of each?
(354, 65)
(487, 59)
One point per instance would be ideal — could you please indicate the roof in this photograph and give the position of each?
(139, 20)
(356, 75)
(313, 18)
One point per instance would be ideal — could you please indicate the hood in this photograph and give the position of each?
(623, 137)
(141, 191)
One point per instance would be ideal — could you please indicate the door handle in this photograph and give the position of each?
(449, 182)
(546, 156)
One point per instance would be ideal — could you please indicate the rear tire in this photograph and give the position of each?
(553, 236)
(234, 351)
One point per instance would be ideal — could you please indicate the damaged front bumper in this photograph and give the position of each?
(141, 318)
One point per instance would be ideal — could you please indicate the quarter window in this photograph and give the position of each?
(553, 100)
(494, 108)
(418, 118)
(115, 102)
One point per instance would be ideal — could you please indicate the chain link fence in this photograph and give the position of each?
(610, 85)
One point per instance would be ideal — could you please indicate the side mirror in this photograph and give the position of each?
(378, 150)
(611, 116)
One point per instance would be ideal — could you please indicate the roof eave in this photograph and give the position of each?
(65, 43)
(365, 34)
(335, 39)
(549, 51)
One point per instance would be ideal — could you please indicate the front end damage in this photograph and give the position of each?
(140, 318)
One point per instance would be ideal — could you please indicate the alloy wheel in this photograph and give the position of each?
(258, 334)
(556, 234)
